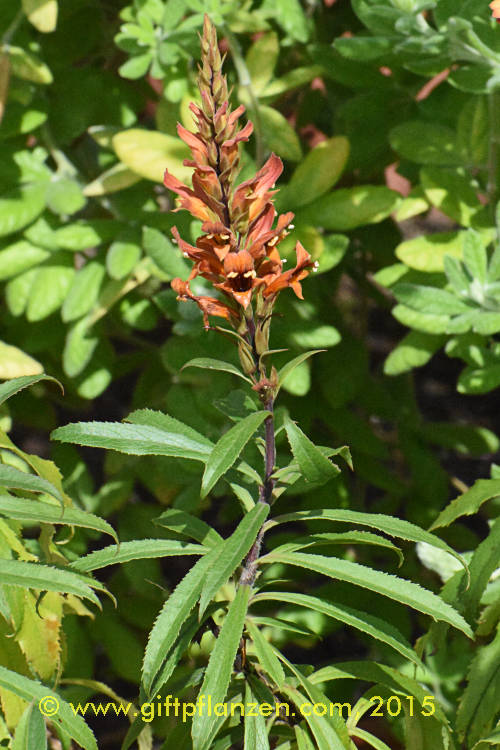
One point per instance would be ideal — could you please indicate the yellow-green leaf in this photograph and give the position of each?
(112, 180)
(149, 153)
(42, 14)
(319, 171)
(14, 363)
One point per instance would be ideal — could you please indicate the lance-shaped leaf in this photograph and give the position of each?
(351, 537)
(366, 623)
(207, 363)
(188, 525)
(30, 731)
(171, 618)
(17, 384)
(395, 527)
(469, 502)
(30, 690)
(35, 511)
(403, 591)
(139, 549)
(314, 466)
(147, 433)
(232, 552)
(47, 578)
(287, 369)
(228, 449)
(480, 701)
(21, 480)
(220, 667)
(255, 737)
(265, 654)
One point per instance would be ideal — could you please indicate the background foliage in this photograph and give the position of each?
(387, 117)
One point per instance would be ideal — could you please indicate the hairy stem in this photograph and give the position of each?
(249, 571)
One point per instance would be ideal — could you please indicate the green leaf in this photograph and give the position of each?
(313, 465)
(206, 363)
(18, 384)
(30, 690)
(164, 253)
(149, 153)
(81, 235)
(35, 511)
(427, 253)
(479, 380)
(462, 438)
(370, 671)
(228, 449)
(430, 299)
(349, 208)
(232, 551)
(265, 655)
(20, 257)
(403, 591)
(80, 346)
(20, 206)
(171, 618)
(29, 67)
(316, 174)
(64, 196)
(304, 742)
(362, 621)
(480, 702)
(47, 578)
(261, 60)
(452, 193)
(220, 667)
(279, 135)
(363, 48)
(83, 292)
(50, 287)
(475, 257)
(290, 16)
(30, 731)
(139, 549)
(426, 143)
(317, 335)
(469, 502)
(151, 433)
(121, 258)
(20, 480)
(351, 537)
(325, 736)
(290, 366)
(456, 275)
(414, 350)
(369, 739)
(255, 737)
(423, 322)
(483, 564)
(190, 526)
(390, 525)
(112, 180)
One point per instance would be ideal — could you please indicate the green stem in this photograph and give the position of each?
(13, 27)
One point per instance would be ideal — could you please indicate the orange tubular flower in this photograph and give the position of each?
(495, 7)
(237, 251)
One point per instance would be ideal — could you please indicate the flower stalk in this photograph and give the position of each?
(237, 251)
